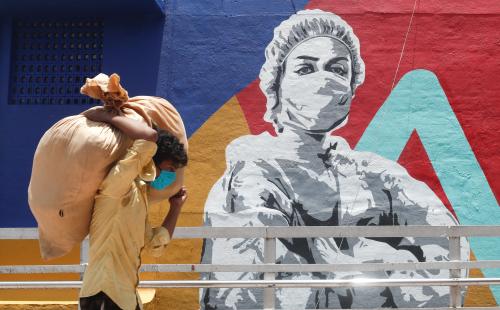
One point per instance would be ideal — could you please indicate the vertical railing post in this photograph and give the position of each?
(455, 294)
(84, 254)
(269, 258)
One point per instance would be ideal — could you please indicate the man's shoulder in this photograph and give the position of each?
(144, 146)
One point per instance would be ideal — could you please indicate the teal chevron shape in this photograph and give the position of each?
(419, 103)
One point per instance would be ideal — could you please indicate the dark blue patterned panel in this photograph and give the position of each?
(52, 58)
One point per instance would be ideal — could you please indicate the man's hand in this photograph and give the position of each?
(100, 114)
(177, 200)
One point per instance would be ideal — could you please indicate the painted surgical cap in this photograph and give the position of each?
(301, 27)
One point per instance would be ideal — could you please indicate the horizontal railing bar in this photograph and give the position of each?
(30, 269)
(268, 283)
(318, 267)
(219, 232)
(18, 233)
(441, 308)
(303, 232)
(383, 231)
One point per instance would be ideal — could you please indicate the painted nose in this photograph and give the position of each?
(332, 87)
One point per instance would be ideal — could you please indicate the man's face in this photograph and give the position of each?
(166, 165)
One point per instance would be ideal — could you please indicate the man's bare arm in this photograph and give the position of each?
(176, 203)
(130, 127)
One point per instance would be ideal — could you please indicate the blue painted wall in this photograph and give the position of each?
(131, 48)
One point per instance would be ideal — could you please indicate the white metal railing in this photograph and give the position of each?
(269, 268)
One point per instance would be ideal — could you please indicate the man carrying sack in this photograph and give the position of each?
(111, 163)
(119, 229)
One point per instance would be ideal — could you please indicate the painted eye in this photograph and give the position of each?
(337, 69)
(305, 69)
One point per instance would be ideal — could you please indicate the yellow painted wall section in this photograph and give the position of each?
(478, 296)
(26, 252)
(207, 163)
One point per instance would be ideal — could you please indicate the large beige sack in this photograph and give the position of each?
(74, 156)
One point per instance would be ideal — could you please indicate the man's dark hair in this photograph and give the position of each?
(169, 148)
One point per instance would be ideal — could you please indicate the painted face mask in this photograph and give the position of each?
(316, 102)
(165, 179)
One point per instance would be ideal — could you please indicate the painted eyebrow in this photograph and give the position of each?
(336, 59)
(308, 58)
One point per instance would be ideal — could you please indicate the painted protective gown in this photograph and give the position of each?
(282, 181)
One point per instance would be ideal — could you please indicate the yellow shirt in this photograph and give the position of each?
(119, 229)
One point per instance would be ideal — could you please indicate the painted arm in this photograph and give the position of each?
(223, 209)
(244, 197)
(131, 128)
(387, 195)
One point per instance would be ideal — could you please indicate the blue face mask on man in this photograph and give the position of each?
(165, 179)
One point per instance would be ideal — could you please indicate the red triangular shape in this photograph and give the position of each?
(415, 159)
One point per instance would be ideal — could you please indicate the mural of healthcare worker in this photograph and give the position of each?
(305, 176)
